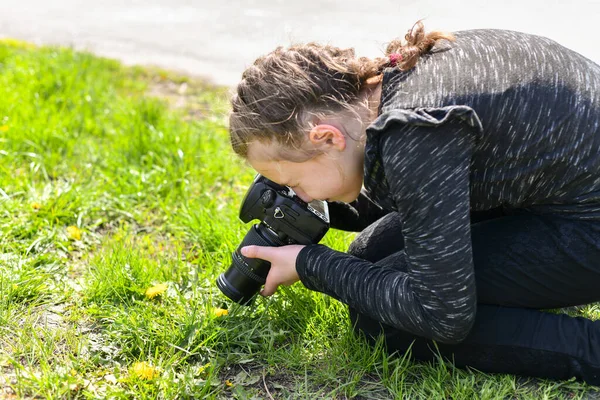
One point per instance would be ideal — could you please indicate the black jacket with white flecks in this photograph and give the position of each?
(497, 118)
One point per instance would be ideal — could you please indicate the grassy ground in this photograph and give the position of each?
(114, 181)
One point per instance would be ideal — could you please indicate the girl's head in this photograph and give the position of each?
(299, 114)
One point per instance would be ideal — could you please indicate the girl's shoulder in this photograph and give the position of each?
(508, 43)
(500, 35)
(481, 64)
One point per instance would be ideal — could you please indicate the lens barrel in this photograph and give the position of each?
(244, 278)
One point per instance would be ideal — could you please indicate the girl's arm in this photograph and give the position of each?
(354, 216)
(430, 290)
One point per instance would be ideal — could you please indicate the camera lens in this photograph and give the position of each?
(245, 276)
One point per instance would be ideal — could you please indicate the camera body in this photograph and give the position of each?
(285, 219)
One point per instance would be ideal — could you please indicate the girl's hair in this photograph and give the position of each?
(282, 89)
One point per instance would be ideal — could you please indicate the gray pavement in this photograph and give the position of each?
(218, 39)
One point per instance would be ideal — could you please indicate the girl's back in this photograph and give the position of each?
(535, 116)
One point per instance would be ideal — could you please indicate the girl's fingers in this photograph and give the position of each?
(268, 289)
(270, 286)
(283, 264)
(261, 252)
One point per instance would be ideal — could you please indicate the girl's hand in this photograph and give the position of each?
(283, 264)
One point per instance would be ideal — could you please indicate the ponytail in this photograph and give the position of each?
(418, 42)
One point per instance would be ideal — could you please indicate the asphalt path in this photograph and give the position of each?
(218, 39)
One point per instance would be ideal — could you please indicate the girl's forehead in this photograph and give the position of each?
(263, 158)
(269, 169)
(276, 152)
(260, 152)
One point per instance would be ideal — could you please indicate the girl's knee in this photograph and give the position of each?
(373, 330)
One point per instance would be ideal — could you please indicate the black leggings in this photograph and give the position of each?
(523, 263)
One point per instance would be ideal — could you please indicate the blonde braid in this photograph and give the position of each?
(282, 89)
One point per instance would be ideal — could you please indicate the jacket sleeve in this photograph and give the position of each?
(432, 294)
(354, 216)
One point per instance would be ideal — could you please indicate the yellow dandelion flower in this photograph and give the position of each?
(219, 312)
(36, 206)
(228, 383)
(4, 128)
(156, 290)
(203, 368)
(143, 370)
(74, 233)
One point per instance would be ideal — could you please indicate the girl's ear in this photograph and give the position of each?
(325, 136)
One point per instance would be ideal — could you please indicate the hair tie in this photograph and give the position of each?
(395, 58)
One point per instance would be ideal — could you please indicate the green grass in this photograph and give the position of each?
(155, 189)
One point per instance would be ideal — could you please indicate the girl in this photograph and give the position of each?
(471, 165)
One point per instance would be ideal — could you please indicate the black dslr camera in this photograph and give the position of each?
(285, 219)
